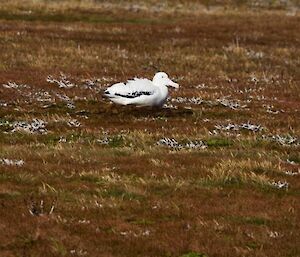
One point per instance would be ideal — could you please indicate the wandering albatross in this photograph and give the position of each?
(142, 92)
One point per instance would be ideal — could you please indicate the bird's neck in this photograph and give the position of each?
(164, 91)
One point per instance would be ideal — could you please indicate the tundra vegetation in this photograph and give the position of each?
(213, 173)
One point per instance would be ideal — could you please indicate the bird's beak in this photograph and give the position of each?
(173, 84)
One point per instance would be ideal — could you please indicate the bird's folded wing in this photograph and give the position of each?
(134, 88)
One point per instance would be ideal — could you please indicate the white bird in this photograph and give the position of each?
(142, 92)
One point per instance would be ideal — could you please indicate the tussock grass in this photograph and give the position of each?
(246, 172)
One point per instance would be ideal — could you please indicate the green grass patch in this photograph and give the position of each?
(60, 108)
(23, 178)
(72, 16)
(25, 241)
(91, 179)
(253, 245)
(218, 142)
(143, 222)
(294, 158)
(16, 138)
(58, 247)
(257, 221)
(211, 183)
(117, 192)
(116, 141)
(51, 138)
(194, 254)
(9, 195)
(4, 125)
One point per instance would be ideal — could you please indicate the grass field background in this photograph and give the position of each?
(216, 172)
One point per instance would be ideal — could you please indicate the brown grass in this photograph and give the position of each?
(114, 190)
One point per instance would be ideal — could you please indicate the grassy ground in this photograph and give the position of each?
(97, 179)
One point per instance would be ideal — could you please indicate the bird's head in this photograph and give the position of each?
(162, 79)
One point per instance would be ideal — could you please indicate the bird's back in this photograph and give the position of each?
(133, 88)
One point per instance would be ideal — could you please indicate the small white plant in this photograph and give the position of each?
(237, 127)
(35, 126)
(14, 85)
(62, 82)
(9, 162)
(174, 144)
(230, 104)
(74, 123)
(285, 140)
(280, 184)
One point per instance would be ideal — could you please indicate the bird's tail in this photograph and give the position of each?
(108, 94)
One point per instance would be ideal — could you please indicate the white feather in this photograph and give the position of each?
(143, 92)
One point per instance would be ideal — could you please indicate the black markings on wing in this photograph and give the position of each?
(135, 94)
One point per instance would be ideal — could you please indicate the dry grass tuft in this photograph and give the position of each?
(245, 172)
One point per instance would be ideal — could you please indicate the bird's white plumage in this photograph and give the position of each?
(131, 86)
(142, 92)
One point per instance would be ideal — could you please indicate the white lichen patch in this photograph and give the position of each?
(62, 81)
(35, 126)
(78, 252)
(74, 123)
(43, 96)
(274, 234)
(14, 85)
(237, 127)
(292, 173)
(3, 104)
(280, 184)
(170, 106)
(142, 233)
(231, 104)
(4, 123)
(174, 144)
(191, 100)
(291, 162)
(69, 102)
(10, 162)
(255, 54)
(270, 109)
(92, 84)
(285, 140)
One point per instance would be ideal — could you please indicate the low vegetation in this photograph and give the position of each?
(213, 173)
